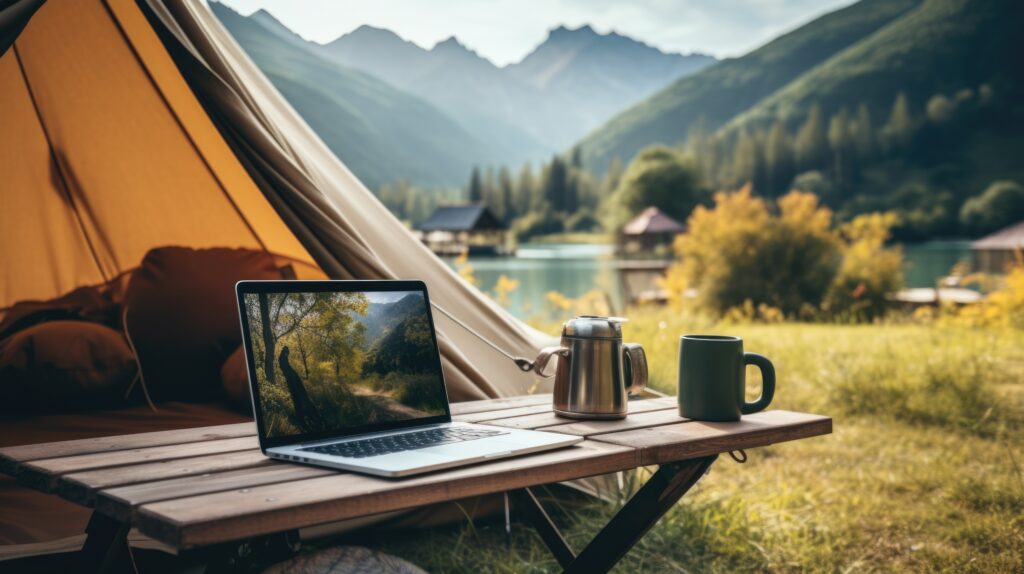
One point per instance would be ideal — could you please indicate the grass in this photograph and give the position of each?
(922, 473)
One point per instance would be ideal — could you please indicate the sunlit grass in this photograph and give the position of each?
(922, 473)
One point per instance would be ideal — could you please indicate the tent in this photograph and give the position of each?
(130, 125)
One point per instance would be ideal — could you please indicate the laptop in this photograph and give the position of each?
(347, 375)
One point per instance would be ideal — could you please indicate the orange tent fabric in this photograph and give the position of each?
(106, 154)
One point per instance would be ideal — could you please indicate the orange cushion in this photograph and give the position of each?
(234, 378)
(63, 366)
(183, 319)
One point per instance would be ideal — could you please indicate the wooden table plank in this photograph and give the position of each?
(232, 515)
(81, 487)
(481, 416)
(44, 474)
(633, 421)
(548, 420)
(120, 502)
(694, 439)
(469, 407)
(28, 452)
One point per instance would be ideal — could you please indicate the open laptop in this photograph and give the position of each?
(347, 374)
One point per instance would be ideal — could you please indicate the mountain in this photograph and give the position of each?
(401, 339)
(383, 134)
(381, 317)
(568, 85)
(909, 107)
(940, 47)
(721, 91)
(605, 72)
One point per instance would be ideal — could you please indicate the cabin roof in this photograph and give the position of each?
(462, 218)
(652, 220)
(1008, 238)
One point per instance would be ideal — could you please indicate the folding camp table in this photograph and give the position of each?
(210, 489)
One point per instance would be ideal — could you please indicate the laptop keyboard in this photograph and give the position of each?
(402, 442)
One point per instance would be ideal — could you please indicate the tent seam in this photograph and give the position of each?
(181, 125)
(60, 167)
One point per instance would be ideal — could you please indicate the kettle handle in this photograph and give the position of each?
(544, 357)
(636, 365)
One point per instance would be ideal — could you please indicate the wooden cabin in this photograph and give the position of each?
(453, 230)
(995, 252)
(650, 233)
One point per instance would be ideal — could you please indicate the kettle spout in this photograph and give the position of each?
(544, 357)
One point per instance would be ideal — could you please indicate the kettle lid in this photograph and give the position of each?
(594, 326)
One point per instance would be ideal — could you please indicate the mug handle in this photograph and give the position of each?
(767, 383)
(636, 365)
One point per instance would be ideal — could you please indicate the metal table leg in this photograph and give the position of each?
(625, 529)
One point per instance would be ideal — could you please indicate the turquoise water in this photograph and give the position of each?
(573, 270)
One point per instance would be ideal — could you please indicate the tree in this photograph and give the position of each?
(870, 271)
(863, 134)
(900, 129)
(811, 144)
(661, 177)
(612, 177)
(746, 159)
(476, 187)
(841, 143)
(778, 159)
(555, 185)
(490, 196)
(525, 190)
(737, 251)
(1000, 205)
(504, 192)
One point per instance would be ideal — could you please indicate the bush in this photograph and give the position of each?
(869, 270)
(739, 252)
(1000, 205)
(582, 221)
(661, 177)
(540, 222)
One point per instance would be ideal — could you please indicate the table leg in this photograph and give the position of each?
(106, 545)
(648, 505)
(531, 507)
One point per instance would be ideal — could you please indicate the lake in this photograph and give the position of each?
(575, 269)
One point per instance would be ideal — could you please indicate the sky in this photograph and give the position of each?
(504, 31)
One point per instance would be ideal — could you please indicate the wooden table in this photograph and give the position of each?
(211, 487)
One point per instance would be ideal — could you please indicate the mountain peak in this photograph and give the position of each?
(563, 31)
(449, 43)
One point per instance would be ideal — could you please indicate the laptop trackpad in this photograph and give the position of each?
(473, 448)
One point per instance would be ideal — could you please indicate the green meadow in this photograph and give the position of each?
(923, 471)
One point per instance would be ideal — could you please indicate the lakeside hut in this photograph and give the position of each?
(993, 253)
(650, 233)
(453, 230)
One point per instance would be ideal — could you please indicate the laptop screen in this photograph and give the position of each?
(340, 358)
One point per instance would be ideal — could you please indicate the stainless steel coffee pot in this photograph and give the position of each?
(596, 371)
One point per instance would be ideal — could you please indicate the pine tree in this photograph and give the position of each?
(745, 160)
(556, 185)
(524, 190)
(504, 192)
(778, 159)
(811, 144)
(840, 142)
(863, 134)
(475, 193)
(489, 189)
(900, 129)
(611, 177)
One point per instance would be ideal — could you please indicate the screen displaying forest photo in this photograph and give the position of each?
(331, 361)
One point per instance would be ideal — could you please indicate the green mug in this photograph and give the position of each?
(712, 377)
